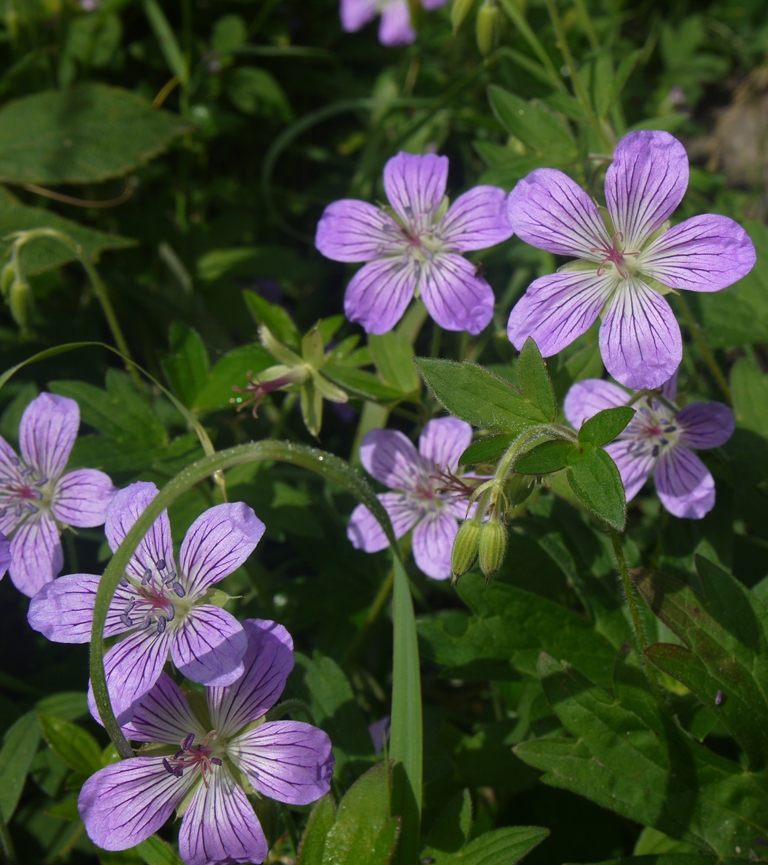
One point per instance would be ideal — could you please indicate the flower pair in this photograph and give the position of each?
(395, 25)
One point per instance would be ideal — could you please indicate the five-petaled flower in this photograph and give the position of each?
(395, 25)
(429, 497)
(658, 441)
(627, 259)
(215, 750)
(162, 609)
(415, 246)
(37, 498)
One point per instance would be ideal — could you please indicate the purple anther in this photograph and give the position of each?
(126, 620)
(215, 761)
(41, 482)
(146, 577)
(170, 613)
(161, 623)
(27, 472)
(160, 564)
(31, 508)
(129, 607)
(718, 698)
(16, 461)
(168, 768)
(146, 623)
(18, 510)
(179, 589)
(187, 743)
(178, 771)
(124, 582)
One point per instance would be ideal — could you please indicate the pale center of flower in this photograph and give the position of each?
(191, 756)
(24, 492)
(615, 257)
(652, 430)
(155, 600)
(435, 487)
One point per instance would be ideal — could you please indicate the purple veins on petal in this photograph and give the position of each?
(395, 25)
(476, 220)
(36, 555)
(684, 484)
(415, 186)
(379, 293)
(47, 433)
(432, 543)
(705, 425)
(208, 646)
(455, 297)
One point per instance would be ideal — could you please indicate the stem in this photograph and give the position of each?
(373, 613)
(704, 349)
(587, 21)
(516, 16)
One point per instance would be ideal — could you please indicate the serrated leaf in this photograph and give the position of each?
(74, 746)
(545, 458)
(451, 830)
(597, 482)
(393, 355)
(500, 847)
(534, 124)
(535, 381)
(603, 427)
(486, 449)
(19, 746)
(319, 824)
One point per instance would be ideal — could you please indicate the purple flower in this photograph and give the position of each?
(429, 496)
(37, 498)
(658, 441)
(395, 26)
(222, 746)
(415, 246)
(162, 609)
(627, 261)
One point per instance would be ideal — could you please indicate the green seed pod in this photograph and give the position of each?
(20, 302)
(493, 548)
(7, 278)
(465, 546)
(459, 12)
(488, 27)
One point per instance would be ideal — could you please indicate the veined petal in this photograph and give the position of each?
(476, 220)
(163, 715)
(455, 297)
(220, 826)
(684, 484)
(5, 554)
(268, 661)
(36, 556)
(391, 458)
(125, 803)
(208, 646)
(379, 293)
(47, 432)
(705, 425)
(640, 338)
(589, 396)
(217, 543)
(81, 498)
(415, 185)
(351, 230)
(644, 184)
(705, 253)
(634, 466)
(395, 25)
(558, 308)
(125, 508)
(285, 760)
(355, 14)
(364, 531)
(444, 440)
(432, 543)
(550, 211)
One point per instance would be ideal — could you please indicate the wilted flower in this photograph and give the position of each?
(658, 442)
(395, 26)
(415, 246)
(37, 498)
(162, 610)
(216, 751)
(628, 258)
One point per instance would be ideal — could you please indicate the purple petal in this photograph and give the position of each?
(217, 543)
(379, 293)
(640, 338)
(391, 458)
(705, 253)
(352, 230)
(364, 531)
(208, 646)
(10, 469)
(432, 544)
(285, 760)
(47, 433)
(429, 5)
(125, 803)
(379, 732)
(684, 484)
(589, 396)
(395, 25)
(36, 556)
(550, 211)
(476, 220)
(415, 185)
(705, 424)
(220, 826)
(355, 14)
(557, 309)
(81, 498)
(455, 297)
(268, 662)
(126, 507)
(5, 554)
(669, 388)
(644, 184)
(444, 440)
(634, 468)
(163, 715)
(62, 610)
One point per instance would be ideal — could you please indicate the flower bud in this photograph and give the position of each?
(488, 26)
(465, 546)
(459, 12)
(20, 302)
(518, 489)
(493, 547)
(7, 278)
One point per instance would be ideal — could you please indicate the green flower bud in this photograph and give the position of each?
(465, 546)
(493, 547)
(488, 26)
(20, 302)
(7, 278)
(518, 489)
(459, 12)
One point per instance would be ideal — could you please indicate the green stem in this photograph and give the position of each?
(6, 843)
(515, 15)
(373, 613)
(587, 21)
(704, 349)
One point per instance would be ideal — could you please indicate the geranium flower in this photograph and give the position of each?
(37, 498)
(395, 25)
(414, 246)
(658, 442)
(627, 261)
(123, 804)
(429, 496)
(162, 610)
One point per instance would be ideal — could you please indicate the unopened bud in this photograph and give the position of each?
(493, 547)
(7, 277)
(20, 302)
(459, 12)
(488, 26)
(518, 489)
(465, 547)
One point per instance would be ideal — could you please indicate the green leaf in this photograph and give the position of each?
(474, 394)
(500, 847)
(19, 747)
(318, 826)
(275, 318)
(451, 830)
(176, 61)
(229, 32)
(75, 747)
(596, 481)
(619, 80)
(651, 841)
(551, 456)
(673, 859)
(256, 91)
(486, 449)
(155, 851)
(84, 134)
(231, 371)
(535, 381)
(69, 705)
(603, 427)
(186, 366)
(393, 355)
(362, 384)
(64, 810)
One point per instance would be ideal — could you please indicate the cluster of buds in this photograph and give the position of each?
(488, 23)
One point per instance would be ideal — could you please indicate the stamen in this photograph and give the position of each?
(146, 577)
(41, 482)
(168, 768)
(124, 582)
(187, 743)
(126, 620)
(655, 450)
(179, 589)
(160, 564)
(31, 508)
(131, 605)
(171, 612)
(170, 578)
(161, 623)
(216, 761)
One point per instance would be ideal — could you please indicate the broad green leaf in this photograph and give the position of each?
(603, 427)
(500, 847)
(672, 859)
(393, 355)
(69, 705)
(155, 851)
(75, 747)
(535, 125)
(486, 449)
(474, 394)
(65, 810)
(312, 842)
(231, 371)
(653, 842)
(84, 134)
(186, 365)
(594, 478)
(451, 830)
(748, 447)
(19, 747)
(362, 384)
(275, 318)
(535, 381)
(551, 456)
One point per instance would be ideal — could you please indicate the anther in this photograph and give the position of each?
(161, 623)
(170, 578)
(171, 612)
(31, 508)
(669, 429)
(126, 620)
(124, 582)
(179, 589)
(215, 761)
(160, 564)
(146, 577)
(131, 605)
(655, 450)
(146, 623)
(41, 482)
(168, 768)
(185, 745)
